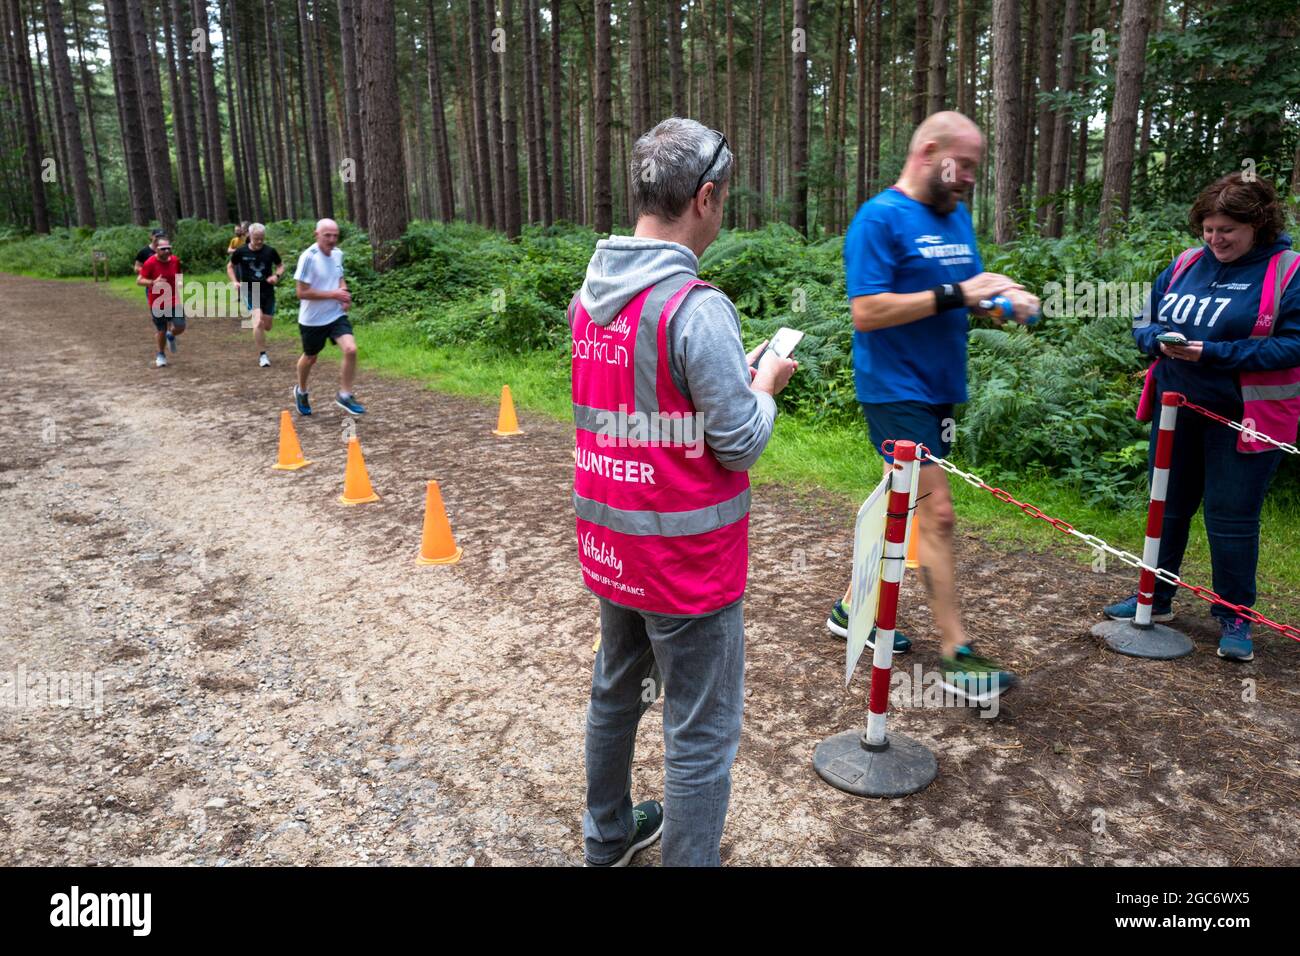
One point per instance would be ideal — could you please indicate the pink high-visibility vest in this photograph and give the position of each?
(1271, 399)
(662, 526)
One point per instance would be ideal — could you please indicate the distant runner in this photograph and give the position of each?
(255, 269)
(324, 301)
(143, 255)
(162, 280)
(240, 237)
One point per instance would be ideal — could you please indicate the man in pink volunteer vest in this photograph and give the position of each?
(669, 418)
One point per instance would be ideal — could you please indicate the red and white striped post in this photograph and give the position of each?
(870, 763)
(1169, 402)
(882, 661)
(1141, 637)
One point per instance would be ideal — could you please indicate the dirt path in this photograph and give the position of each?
(280, 683)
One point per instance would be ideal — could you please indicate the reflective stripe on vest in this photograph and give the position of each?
(662, 526)
(1271, 399)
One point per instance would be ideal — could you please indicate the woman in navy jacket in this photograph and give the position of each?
(1214, 295)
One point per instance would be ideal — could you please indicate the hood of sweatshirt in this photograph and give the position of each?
(623, 266)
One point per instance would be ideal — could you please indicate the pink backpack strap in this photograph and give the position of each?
(1277, 276)
(1186, 259)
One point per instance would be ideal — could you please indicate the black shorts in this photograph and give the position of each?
(265, 298)
(925, 424)
(161, 316)
(314, 336)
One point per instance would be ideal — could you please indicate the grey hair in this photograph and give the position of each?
(256, 227)
(667, 163)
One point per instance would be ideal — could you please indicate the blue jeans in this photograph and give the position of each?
(1206, 465)
(699, 664)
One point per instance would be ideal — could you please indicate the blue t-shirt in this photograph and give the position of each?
(896, 244)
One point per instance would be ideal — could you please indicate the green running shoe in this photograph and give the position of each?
(838, 624)
(975, 678)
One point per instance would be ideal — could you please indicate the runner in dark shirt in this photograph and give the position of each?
(143, 255)
(255, 268)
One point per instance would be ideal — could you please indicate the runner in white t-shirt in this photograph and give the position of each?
(324, 301)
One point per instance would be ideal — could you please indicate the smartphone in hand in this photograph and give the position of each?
(783, 343)
(1172, 338)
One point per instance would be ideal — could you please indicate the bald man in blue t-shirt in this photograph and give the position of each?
(914, 273)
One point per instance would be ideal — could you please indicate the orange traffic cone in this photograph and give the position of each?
(290, 451)
(507, 424)
(356, 483)
(437, 546)
(913, 548)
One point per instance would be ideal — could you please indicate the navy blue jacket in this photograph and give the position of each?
(1217, 303)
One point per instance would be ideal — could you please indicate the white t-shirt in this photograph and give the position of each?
(323, 273)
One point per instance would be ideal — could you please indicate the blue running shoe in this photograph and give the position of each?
(975, 678)
(649, 818)
(350, 404)
(1126, 610)
(838, 624)
(300, 399)
(171, 342)
(1234, 640)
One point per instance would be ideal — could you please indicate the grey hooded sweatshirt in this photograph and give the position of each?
(705, 353)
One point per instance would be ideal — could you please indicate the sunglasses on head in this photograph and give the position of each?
(722, 144)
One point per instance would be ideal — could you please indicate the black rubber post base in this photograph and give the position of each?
(901, 767)
(1157, 642)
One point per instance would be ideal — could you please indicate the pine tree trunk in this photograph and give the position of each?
(1117, 167)
(636, 64)
(214, 155)
(755, 141)
(493, 99)
(87, 87)
(1009, 122)
(603, 200)
(678, 77)
(534, 211)
(509, 122)
(1046, 121)
(938, 89)
(248, 135)
(385, 175)
(68, 115)
(877, 76)
(484, 201)
(27, 103)
(799, 122)
(186, 194)
(732, 217)
(1061, 122)
(921, 67)
(156, 152)
(130, 124)
(557, 112)
(190, 119)
(438, 111)
(534, 79)
(863, 64)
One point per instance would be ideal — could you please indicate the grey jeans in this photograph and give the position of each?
(699, 666)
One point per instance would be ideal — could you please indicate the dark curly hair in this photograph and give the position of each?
(1253, 202)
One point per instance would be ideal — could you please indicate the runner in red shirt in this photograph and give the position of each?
(162, 279)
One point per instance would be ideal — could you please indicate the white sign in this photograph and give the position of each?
(868, 550)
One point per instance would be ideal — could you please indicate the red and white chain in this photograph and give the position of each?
(1098, 544)
(1250, 433)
